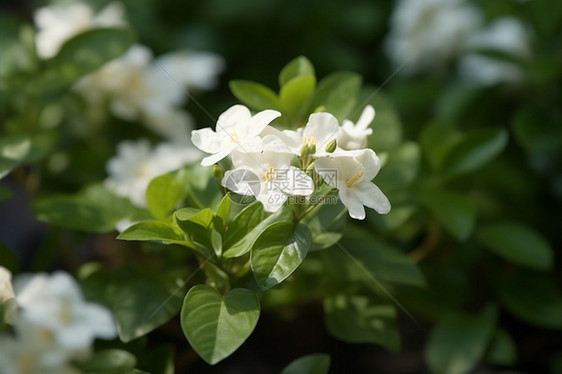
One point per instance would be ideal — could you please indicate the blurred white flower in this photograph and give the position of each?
(53, 307)
(7, 295)
(60, 22)
(235, 127)
(193, 69)
(274, 178)
(351, 173)
(21, 356)
(137, 163)
(425, 34)
(506, 35)
(354, 136)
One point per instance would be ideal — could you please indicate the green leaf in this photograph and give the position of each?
(278, 252)
(518, 243)
(5, 193)
(217, 325)
(159, 360)
(361, 319)
(13, 150)
(163, 195)
(223, 211)
(387, 127)
(142, 303)
(94, 209)
(196, 224)
(326, 222)
(298, 67)
(247, 226)
(437, 140)
(379, 259)
(81, 55)
(254, 95)
(401, 169)
(458, 342)
(158, 231)
(537, 131)
(452, 209)
(475, 150)
(202, 187)
(457, 99)
(532, 297)
(294, 94)
(316, 363)
(502, 349)
(111, 361)
(337, 94)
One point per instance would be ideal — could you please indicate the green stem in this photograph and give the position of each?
(311, 207)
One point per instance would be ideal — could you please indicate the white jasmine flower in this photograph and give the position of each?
(21, 356)
(58, 23)
(137, 163)
(507, 35)
(351, 173)
(354, 136)
(319, 131)
(271, 178)
(425, 34)
(7, 295)
(235, 127)
(55, 304)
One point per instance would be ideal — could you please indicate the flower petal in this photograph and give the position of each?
(207, 140)
(297, 182)
(272, 200)
(352, 203)
(371, 196)
(366, 118)
(259, 122)
(232, 117)
(322, 126)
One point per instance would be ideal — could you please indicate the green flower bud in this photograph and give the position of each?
(218, 173)
(331, 147)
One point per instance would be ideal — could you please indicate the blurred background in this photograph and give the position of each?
(478, 77)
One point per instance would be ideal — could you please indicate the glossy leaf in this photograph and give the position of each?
(159, 231)
(217, 325)
(163, 195)
(316, 363)
(475, 150)
(298, 67)
(247, 226)
(295, 93)
(502, 349)
(254, 95)
(111, 361)
(278, 252)
(361, 319)
(458, 342)
(518, 243)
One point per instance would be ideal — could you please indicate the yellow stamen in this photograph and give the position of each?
(65, 314)
(349, 182)
(269, 174)
(311, 140)
(234, 138)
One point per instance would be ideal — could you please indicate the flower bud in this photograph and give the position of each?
(331, 147)
(218, 173)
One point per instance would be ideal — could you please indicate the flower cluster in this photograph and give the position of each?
(54, 325)
(426, 34)
(136, 86)
(286, 162)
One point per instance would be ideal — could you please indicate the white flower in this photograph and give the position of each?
(137, 163)
(193, 69)
(507, 35)
(55, 304)
(351, 173)
(354, 136)
(7, 295)
(425, 34)
(235, 127)
(268, 176)
(58, 23)
(21, 356)
(319, 131)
